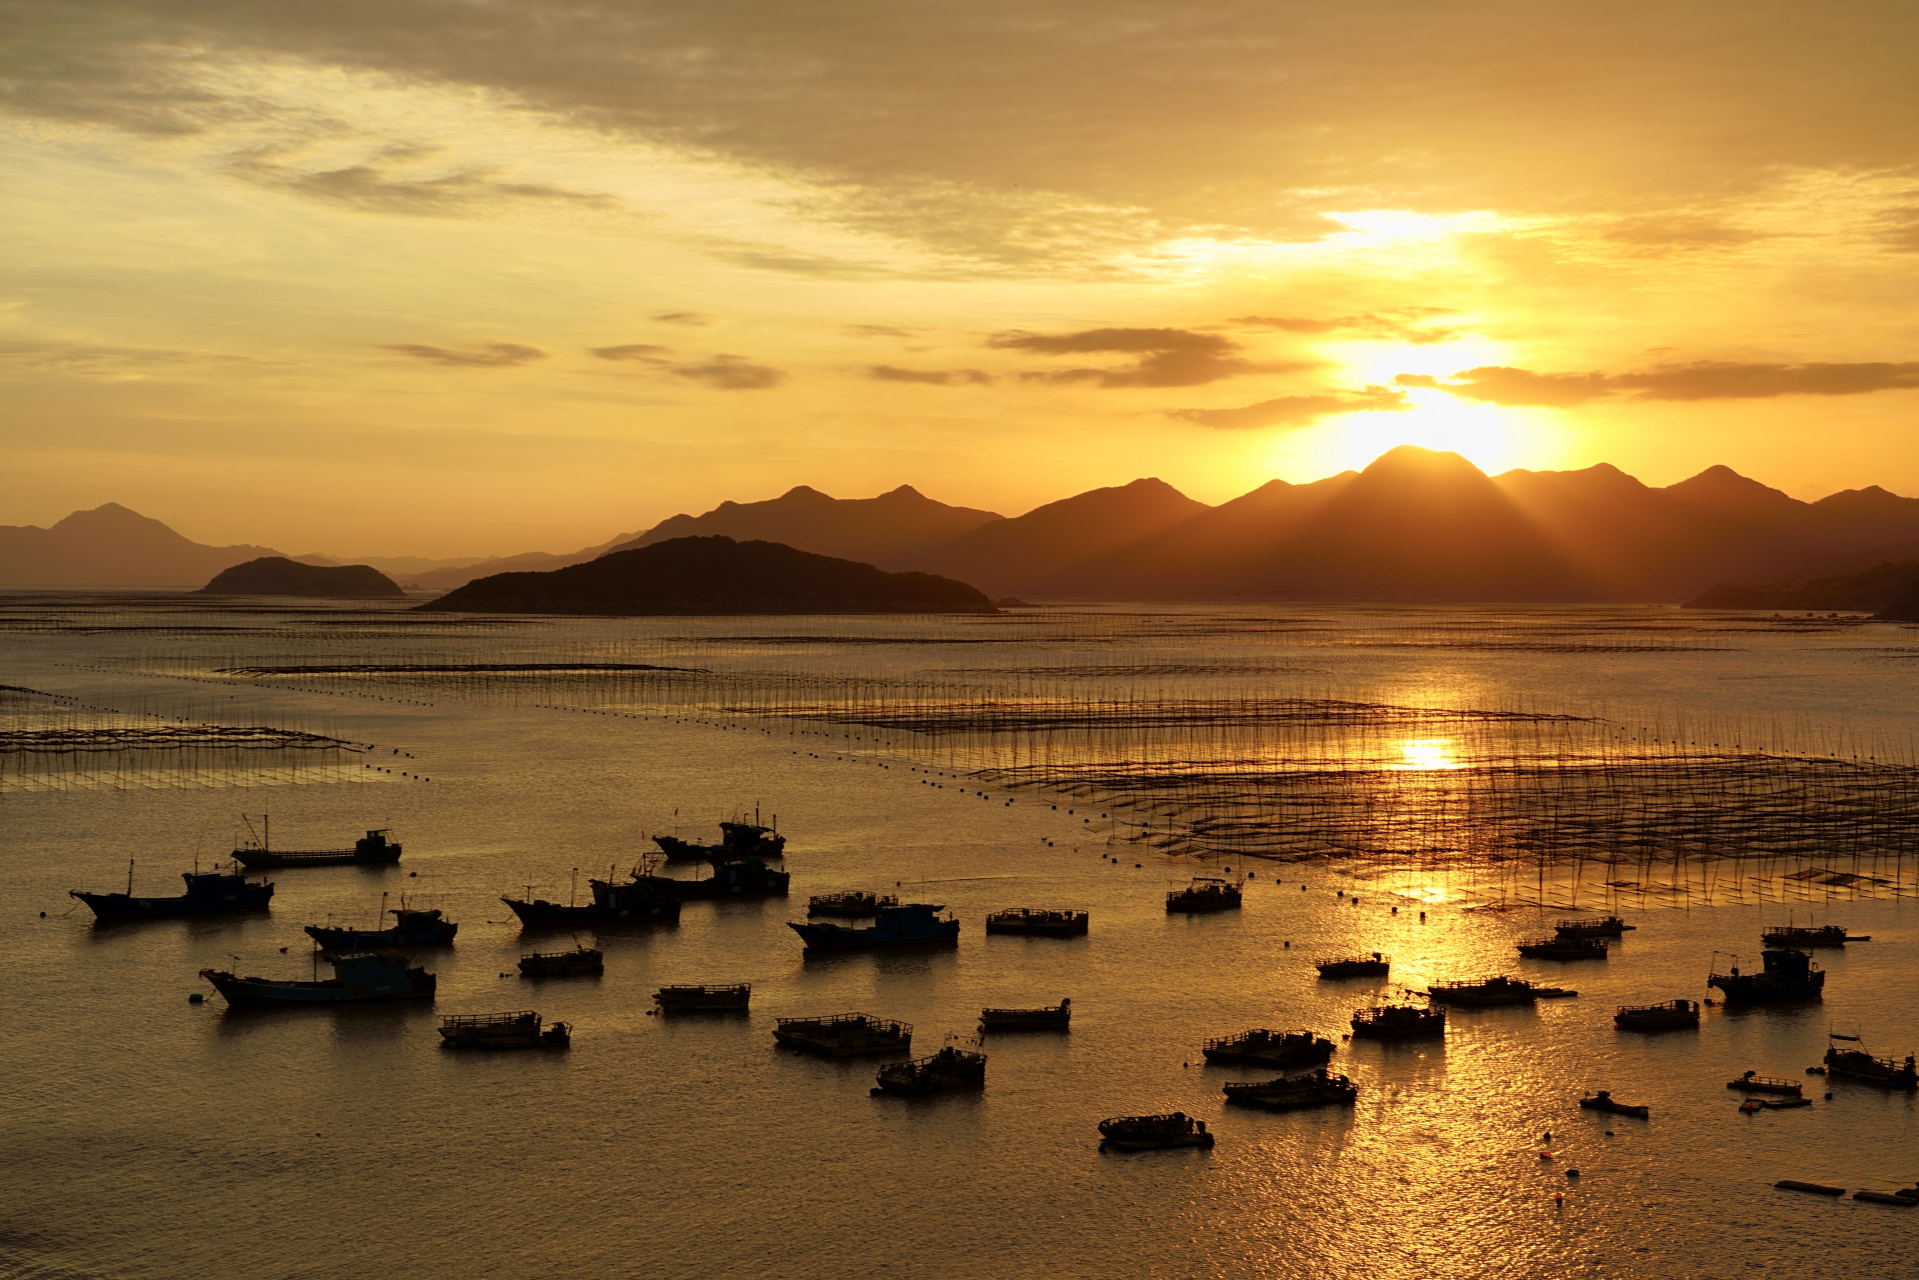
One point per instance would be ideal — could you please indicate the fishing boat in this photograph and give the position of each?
(1830, 935)
(372, 848)
(1671, 1015)
(411, 928)
(629, 903)
(207, 892)
(1039, 922)
(1204, 894)
(951, 1068)
(1056, 1017)
(1153, 1133)
(1787, 975)
(1857, 1064)
(1283, 1049)
(744, 878)
(380, 975)
(518, 1030)
(1751, 1105)
(1554, 993)
(909, 924)
(1604, 927)
(712, 998)
(1315, 1089)
(1753, 1082)
(1378, 966)
(851, 905)
(738, 840)
(1485, 992)
(845, 1035)
(1399, 1022)
(1564, 947)
(562, 964)
(1603, 1101)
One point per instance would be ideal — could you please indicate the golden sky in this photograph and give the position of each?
(451, 277)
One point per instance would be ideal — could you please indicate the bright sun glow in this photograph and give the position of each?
(1427, 753)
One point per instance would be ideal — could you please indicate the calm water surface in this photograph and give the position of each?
(149, 1137)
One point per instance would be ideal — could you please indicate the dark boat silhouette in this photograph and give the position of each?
(852, 904)
(1398, 1022)
(563, 964)
(520, 1029)
(1602, 1100)
(372, 848)
(746, 878)
(844, 1035)
(1281, 1049)
(1830, 935)
(910, 924)
(1039, 922)
(1672, 1015)
(710, 998)
(1205, 894)
(1857, 1064)
(738, 840)
(1376, 966)
(1565, 947)
(207, 892)
(1787, 975)
(410, 928)
(1153, 1133)
(1604, 927)
(1058, 1017)
(634, 902)
(1317, 1088)
(951, 1068)
(356, 978)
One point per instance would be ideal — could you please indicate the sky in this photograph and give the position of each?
(469, 277)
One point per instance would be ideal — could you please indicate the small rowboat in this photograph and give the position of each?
(1154, 1133)
(1056, 1017)
(1604, 1101)
(1752, 1082)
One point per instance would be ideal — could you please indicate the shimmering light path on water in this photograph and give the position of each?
(148, 1137)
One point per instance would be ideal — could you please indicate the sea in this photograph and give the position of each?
(149, 1135)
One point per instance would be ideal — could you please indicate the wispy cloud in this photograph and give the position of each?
(1412, 325)
(731, 373)
(485, 355)
(1295, 411)
(694, 319)
(1165, 357)
(648, 351)
(1701, 380)
(386, 184)
(932, 377)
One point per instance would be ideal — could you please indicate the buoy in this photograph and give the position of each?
(194, 997)
(1829, 1097)
(1572, 1173)
(1546, 1136)
(1559, 1200)
(1545, 1155)
(1609, 1133)
(283, 950)
(43, 915)
(1422, 917)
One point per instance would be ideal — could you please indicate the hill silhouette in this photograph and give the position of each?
(110, 546)
(715, 575)
(279, 576)
(900, 529)
(1873, 590)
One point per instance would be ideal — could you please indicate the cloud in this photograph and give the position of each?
(632, 351)
(1167, 357)
(932, 377)
(1677, 232)
(1700, 380)
(1295, 411)
(485, 355)
(692, 318)
(119, 364)
(381, 188)
(880, 331)
(731, 373)
(1407, 324)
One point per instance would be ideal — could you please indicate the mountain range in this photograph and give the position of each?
(1415, 525)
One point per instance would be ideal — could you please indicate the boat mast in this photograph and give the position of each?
(129, 877)
(572, 893)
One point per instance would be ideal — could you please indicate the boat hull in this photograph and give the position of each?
(263, 993)
(541, 912)
(260, 858)
(346, 940)
(826, 939)
(120, 906)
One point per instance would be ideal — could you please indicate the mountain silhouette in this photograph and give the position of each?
(527, 562)
(279, 576)
(1873, 590)
(715, 575)
(897, 530)
(110, 546)
(1039, 552)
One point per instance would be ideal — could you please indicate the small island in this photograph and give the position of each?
(279, 576)
(715, 575)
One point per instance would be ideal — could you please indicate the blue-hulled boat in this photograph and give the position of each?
(207, 891)
(410, 929)
(910, 924)
(380, 975)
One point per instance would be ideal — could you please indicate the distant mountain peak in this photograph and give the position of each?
(1417, 460)
(1722, 487)
(798, 493)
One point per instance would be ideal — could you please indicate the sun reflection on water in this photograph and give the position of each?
(1427, 753)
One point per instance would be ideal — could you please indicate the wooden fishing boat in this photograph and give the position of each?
(909, 924)
(411, 928)
(1830, 935)
(845, 1035)
(1753, 1082)
(1206, 894)
(737, 840)
(1377, 966)
(725, 998)
(1604, 927)
(1857, 1064)
(1787, 975)
(1563, 947)
(1283, 1049)
(851, 905)
(562, 964)
(951, 1068)
(1316, 1089)
(1153, 1133)
(1399, 1022)
(371, 849)
(1485, 992)
(633, 902)
(1039, 922)
(1057, 1017)
(1603, 1101)
(518, 1030)
(1672, 1015)
(377, 976)
(208, 893)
